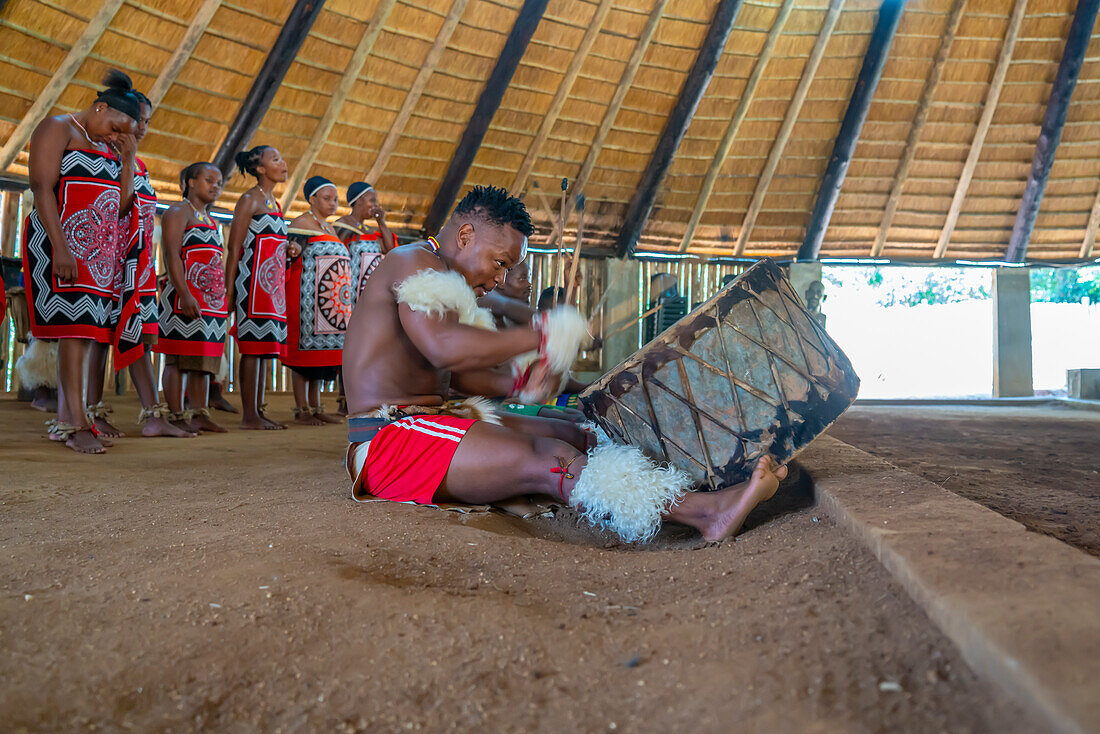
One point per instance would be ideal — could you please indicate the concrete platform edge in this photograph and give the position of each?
(1022, 608)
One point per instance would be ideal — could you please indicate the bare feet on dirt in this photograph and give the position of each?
(203, 424)
(273, 425)
(45, 401)
(85, 442)
(218, 402)
(719, 515)
(329, 418)
(306, 418)
(161, 427)
(103, 428)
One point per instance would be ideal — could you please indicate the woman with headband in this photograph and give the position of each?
(81, 170)
(365, 246)
(320, 296)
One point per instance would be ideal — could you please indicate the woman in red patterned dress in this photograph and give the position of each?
(193, 310)
(255, 279)
(320, 296)
(80, 169)
(138, 266)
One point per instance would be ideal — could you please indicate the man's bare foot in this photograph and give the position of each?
(329, 418)
(274, 425)
(719, 515)
(84, 441)
(218, 402)
(103, 428)
(161, 427)
(305, 417)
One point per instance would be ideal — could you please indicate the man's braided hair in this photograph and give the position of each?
(496, 206)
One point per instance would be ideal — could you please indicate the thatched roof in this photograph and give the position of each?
(36, 35)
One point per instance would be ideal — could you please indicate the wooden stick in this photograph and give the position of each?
(624, 325)
(547, 210)
(734, 125)
(336, 101)
(919, 119)
(431, 63)
(993, 94)
(183, 51)
(561, 228)
(58, 82)
(785, 130)
(1090, 232)
(569, 286)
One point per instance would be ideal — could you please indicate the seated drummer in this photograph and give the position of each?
(417, 332)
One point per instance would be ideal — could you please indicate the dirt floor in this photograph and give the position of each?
(230, 583)
(1039, 466)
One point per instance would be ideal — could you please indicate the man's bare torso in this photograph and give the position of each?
(381, 364)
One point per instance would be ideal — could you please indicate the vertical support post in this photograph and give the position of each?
(1012, 376)
(845, 146)
(802, 274)
(9, 222)
(621, 305)
(1061, 93)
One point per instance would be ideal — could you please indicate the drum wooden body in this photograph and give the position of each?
(748, 373)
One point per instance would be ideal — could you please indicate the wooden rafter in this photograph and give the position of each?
(874, 59)
(919, 119)
(487, 104)
(183, 51)
(679, 119)
(613, 107)
(734, 125)
(431, 62)
(1054, 119)
(787, 127)
(58, 82)
(267, 81)
(336, 101)
(993, 94)
(564, 88)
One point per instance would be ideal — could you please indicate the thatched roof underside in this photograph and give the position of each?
(35, 36)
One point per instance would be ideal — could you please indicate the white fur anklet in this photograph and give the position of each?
(623, 490)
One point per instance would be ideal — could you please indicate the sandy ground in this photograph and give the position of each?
(1039, 466)
(230, 583)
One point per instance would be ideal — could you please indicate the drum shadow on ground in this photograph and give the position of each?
(565, 526)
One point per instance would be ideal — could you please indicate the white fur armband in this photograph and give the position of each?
(561, 331)
(435, 292)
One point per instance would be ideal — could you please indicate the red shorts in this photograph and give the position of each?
(408, 459)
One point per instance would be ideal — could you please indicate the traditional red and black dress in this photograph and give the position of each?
(260, 288)
(196, 344)
(321, 294)
(365, 251)
(145, 199)
(97, 304)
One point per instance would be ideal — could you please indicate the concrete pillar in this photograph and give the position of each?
(621, 307)
(801, 275)
(1012, 333)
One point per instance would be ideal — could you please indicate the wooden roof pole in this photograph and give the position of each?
(613, 108)
(58, 82)
(1090, 230)
(739, 115)
(992, 95)
(183, 51)
(789, 120)
(1061, 93)
(431, 63)
(514, 48)
(336, 101)
(870, 72)
(266, 83)
(564, 88)
(921, 117)
(641, 203)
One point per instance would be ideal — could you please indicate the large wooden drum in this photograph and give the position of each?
(748, 373)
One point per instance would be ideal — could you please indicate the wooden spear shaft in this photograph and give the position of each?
(571, 283)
